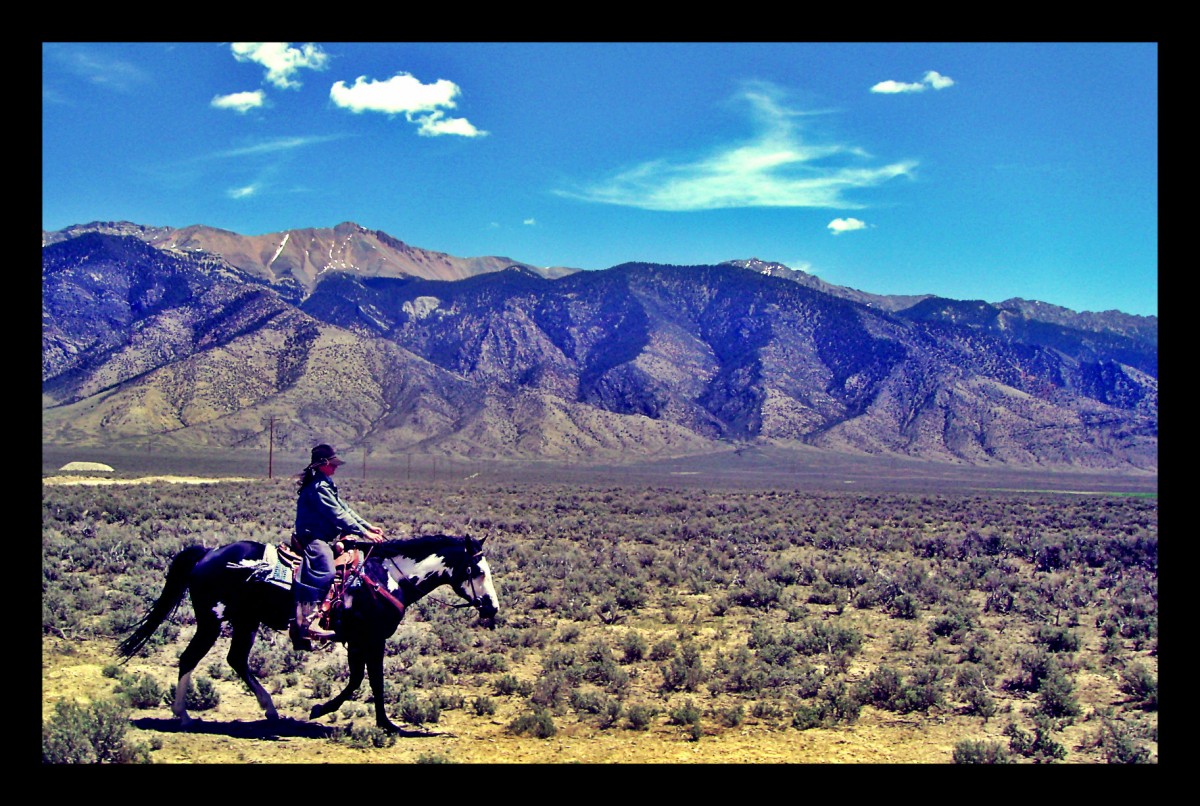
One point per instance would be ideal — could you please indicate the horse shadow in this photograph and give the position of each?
(263, 729)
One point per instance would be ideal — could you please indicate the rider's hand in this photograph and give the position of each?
(375, 534)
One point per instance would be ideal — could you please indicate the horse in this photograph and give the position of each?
(394, 575)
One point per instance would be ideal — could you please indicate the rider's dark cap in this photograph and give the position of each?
(325, 454)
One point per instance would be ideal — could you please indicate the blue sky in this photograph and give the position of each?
(967, 170)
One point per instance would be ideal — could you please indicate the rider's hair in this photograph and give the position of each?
(306, 476)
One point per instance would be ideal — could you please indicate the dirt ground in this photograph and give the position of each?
(237, 733)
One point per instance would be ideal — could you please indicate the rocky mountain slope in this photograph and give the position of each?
(293, 262)
(196, 347)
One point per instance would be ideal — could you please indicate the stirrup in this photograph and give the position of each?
(300, 643)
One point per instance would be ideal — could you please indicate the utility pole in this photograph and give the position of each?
(271, 449)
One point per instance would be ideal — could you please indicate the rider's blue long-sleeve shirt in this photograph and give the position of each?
(320, 513)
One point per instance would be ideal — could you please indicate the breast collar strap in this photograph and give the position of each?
(379, 589)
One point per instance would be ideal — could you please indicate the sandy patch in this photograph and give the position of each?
(95, 480)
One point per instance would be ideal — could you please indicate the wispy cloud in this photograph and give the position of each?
(241, 102)
(243, 192)
(839, 225)
(273, 146)
(529, 222)
(933, 79)
(96, 68)
(403, 94)
(281, 60)
(779, 167)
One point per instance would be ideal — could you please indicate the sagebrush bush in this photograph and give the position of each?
(970, 751)
(141, 691)
(90, 734)
(537, 723)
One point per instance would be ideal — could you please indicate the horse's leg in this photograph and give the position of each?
(239, 658)
(354, 659)
(374, 658)
(208, 629)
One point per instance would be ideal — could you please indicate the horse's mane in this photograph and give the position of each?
(414, 547)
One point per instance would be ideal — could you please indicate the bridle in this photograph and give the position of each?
(469, 575)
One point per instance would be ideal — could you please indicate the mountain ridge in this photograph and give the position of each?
(145, 334)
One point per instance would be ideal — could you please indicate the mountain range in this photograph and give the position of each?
(203, 337)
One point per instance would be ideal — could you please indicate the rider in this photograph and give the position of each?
(321, 518)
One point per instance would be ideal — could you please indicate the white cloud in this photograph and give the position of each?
(932, 79)
(281, 59)
(435, 124)
(839, 225)
(422, 104)
(242, 192)
(240, 101)
(892, 87)
(529, 222)
(938, 81)
(778, 168)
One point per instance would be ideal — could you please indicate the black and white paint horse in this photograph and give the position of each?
(395, 574)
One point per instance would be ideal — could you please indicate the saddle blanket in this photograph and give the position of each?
(271, 569)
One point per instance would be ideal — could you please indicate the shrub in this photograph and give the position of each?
(415, 712)
(904, 606)
(969, 751)
(839, 703)
(509, 684)
(202, 695)
(537, 723)
(731, 717)
(633, 647)
(1057, 639)
(1036, 666)
(972, 683)
(886, 688)
(1119, 746)
(1056, 696)
(484, 706)
(686, 714)
(1039, 746)
(1138, 683)
(662, 650)
(141, 691)
(94, 734)
(684, 670)
(638, 716)
(807, 716)
(362, 736)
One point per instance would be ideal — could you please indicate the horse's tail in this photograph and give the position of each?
(174, 589)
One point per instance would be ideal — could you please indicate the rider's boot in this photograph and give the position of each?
(304, 627)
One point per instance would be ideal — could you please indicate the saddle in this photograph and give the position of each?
(283, 566)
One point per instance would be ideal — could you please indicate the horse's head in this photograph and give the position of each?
(473, 581)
